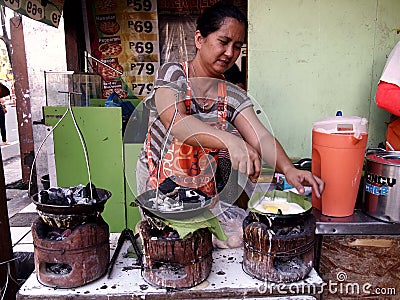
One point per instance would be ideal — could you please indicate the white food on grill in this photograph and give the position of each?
(278, 206)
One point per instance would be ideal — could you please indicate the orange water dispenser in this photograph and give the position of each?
(338, 151)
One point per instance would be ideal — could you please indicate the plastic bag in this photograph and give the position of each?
(231, 219)
(126, 106)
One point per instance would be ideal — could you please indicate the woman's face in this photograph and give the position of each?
(220, 49)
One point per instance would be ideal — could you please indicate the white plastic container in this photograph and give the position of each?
(342, 125)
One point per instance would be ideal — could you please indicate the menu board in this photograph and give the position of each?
(48, 12)
(124, 37)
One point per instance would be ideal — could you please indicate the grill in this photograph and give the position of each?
(279, 250)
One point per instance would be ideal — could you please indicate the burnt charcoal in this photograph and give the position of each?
(289, 230)
(167, 233)
(44, 197)
(60, 269)
(58, 234)
(166, 204)
(167, 186)
(86, 192)
(169, 270)
(290, 265)
(187, 195)
(56, 197)
(82, 195)
(69, 196)
(192, 196)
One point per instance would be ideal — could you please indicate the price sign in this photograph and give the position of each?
(34, 9)
(143, 68)
(142, 26)
(13, 4)
(142, 89)
(127, 31)
(55, 17)
(142, 47)
(42, 11)
(141, 5)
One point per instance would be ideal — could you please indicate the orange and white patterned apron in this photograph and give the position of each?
(190, 166)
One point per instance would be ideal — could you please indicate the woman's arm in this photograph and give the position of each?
(244, 154)
(193, 131)
(272, 152)
(388, 97)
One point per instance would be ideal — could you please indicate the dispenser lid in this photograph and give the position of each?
(342, 125)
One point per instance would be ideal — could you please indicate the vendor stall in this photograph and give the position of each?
(369, 268)
(226, 280)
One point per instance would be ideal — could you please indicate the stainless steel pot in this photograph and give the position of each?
(381, 198)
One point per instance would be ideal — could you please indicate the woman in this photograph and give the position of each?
(3, 131)
(192, 110)
(388, 97)
(4, 91)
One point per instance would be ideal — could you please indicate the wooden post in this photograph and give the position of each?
(23, 103)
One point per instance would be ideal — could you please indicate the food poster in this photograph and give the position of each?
(124, 37)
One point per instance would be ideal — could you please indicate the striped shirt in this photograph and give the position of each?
(172, 75)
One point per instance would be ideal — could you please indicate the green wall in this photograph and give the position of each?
(101, 129)
(309, 58)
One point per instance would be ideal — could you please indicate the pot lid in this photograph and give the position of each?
(385, 157)
(342, 125)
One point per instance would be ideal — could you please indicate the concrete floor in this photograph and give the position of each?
(20, 208)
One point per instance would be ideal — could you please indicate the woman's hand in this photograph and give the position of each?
(244, 158)
(300, 178)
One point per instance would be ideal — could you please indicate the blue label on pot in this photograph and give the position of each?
(376, 190)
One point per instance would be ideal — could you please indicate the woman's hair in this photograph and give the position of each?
(212, 17)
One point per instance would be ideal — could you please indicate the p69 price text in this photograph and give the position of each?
(34, 10)
(142, 47)
(141, 26)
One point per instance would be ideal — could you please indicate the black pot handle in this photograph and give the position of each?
(304, 163)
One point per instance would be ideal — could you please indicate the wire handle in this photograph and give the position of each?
(82, 140)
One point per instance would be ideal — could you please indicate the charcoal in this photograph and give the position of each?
(69, 196)
(167, 186)
(60, 269)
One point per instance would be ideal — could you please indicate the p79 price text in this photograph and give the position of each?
(140, 68)
(142, 89)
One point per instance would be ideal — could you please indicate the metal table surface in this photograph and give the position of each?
(357, 224)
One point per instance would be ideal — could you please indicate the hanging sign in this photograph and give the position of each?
(184, 7)
(124, 37)
(48, 12)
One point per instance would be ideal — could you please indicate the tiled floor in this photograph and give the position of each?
(21, 237)
(18, 204)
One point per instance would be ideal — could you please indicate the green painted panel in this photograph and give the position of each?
(309, 58)
(131, 154)
(100, 102)
(102, 132)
